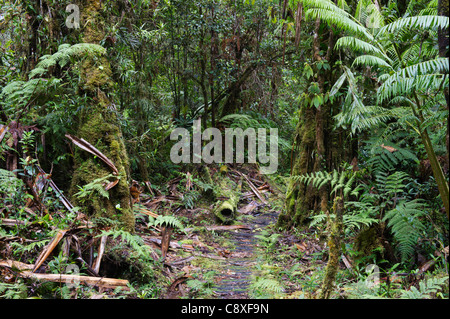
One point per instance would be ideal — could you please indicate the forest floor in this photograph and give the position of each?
(201, 258)
(249, 259)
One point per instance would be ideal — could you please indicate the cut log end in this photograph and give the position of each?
(226, 212)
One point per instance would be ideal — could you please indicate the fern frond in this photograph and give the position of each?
(343, 22)
(168, 220)
(321, 178)
(133, 241)
(407, 228)
(396, 85)
(96, 186)
(267, 284)
(65, 53)
(426, 289)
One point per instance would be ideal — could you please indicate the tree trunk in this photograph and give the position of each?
(300, 198)
(443, 41)
(98, 124)
(334, 250)
(310, 148)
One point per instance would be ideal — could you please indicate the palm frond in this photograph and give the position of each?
(416, 22)
(326, 10)
(356, 44)
(371, 60)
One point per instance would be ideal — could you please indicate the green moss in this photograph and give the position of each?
(334, 249)
(100, 127)
(106, 137)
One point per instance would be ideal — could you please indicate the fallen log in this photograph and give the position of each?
(226, 210)
(24, 272)
(86, 280)
(11, 222)
(247, 209)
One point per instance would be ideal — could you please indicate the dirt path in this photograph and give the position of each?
(235, 277)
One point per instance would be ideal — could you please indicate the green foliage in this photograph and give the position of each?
(135, 242)
(353, 220)
(269, 241)
(382, 160)
(264, 287)
(33, 247)
(190, 198)
(9, 183)
(202, 288)
(168, 220)
(65, 54)
(97, 186)
(427, 289)
(339, 181)
(407, 226)
(255, 121)
(21, 92)
(16, 290)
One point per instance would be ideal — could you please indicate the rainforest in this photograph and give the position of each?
(224, 149)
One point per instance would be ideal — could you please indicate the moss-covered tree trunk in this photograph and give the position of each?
(299, 197)
(98, 124)
(317, 145)
(334, 248)
(310, 147)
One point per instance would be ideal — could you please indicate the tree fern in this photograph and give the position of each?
(21, 92)
(406, 225)
(65, 53)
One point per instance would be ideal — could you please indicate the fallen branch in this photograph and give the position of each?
(86, 280)
(15, 265)
(166, 232)
(101, 250)
(222, 227)
(253, 188)
(48, 249)
(11, 222)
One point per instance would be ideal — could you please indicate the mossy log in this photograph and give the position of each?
(226, 210)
